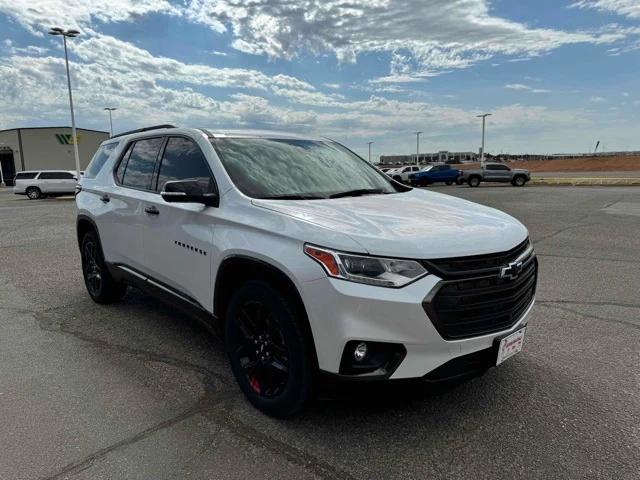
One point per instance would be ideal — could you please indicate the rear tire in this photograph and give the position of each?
(473, 181)
(448, 182)
(459, 181)
(34, 193)
(101, 286)
(270, 353)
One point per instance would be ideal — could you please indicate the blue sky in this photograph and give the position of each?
(557, 75)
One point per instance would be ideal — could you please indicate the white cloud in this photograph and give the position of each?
(527, 88)
(39, 15)
(424, 37)
(596, 99)
(628, 8)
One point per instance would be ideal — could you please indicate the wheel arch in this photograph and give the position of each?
(237, 269)
(84, 224)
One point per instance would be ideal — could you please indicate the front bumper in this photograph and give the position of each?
(341, 311)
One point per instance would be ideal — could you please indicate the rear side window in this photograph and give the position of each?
(26, 175)
(55, 176)
(142, 161)
(182, 160)
(99, 159)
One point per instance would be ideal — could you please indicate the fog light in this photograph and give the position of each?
(360, 352)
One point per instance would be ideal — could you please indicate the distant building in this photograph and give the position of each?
(424, 158)
(46, 148)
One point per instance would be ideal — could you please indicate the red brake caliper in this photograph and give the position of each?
(255, 384)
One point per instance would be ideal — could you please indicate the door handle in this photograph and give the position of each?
(151, 210)
(105, 198)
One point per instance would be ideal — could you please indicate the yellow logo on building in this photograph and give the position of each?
(66, 138)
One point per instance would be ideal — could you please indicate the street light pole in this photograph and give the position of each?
(70, 34)
(110, 109)
(369, 143)
(2, 184)
(417, 146)
(484, 117)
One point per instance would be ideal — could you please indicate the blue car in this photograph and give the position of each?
(435, 174)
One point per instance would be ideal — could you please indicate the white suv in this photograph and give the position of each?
(37, 184)
(313, 262)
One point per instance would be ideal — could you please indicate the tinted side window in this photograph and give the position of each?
(490, 167)
(139, 169)
(502, 167)
(182, 160)
(56, 176)
(123, 163)
(26, 176)
(99, 159)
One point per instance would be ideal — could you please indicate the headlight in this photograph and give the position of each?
(383, 272)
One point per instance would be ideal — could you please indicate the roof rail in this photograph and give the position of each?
(138, 130)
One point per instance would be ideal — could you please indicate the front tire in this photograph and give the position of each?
(34, 193)
(519, 181)
(269, 351)
(101, 286)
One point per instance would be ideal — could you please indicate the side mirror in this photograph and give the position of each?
(189, 191)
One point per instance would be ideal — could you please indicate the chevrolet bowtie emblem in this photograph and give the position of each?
(511, 271)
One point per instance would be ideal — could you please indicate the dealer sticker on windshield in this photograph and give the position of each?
(510, 345)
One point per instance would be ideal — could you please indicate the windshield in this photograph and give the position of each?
(296, 169)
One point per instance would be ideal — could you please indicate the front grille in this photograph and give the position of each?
(476, 265)
(472, 302)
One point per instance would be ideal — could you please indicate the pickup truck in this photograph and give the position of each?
(401, 174)
(495, 172)
(435, 174)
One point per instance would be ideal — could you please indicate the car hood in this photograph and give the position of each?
(414, 224)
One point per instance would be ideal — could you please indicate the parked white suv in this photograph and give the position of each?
(310, 259)
(37, 184)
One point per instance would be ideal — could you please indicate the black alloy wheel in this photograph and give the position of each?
(91, 268)
(268, 349)
(101, 286)
(262, 350)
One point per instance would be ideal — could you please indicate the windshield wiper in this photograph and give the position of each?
(357, 192)
(292, 197)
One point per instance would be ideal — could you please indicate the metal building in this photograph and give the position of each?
(45, 148)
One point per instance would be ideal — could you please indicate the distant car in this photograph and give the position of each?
(385, 169)
(434, 174)
(496, 172)
(401, 174)
(37, 184)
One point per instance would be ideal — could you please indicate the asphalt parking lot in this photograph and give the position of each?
(138, 391)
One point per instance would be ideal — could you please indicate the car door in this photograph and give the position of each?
(490, 173)
(48, 182)
(120, 223)
(177, 239)
(66, 182)
(503, 173)
(436, 173)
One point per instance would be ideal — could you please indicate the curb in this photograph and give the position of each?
(606, 181)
